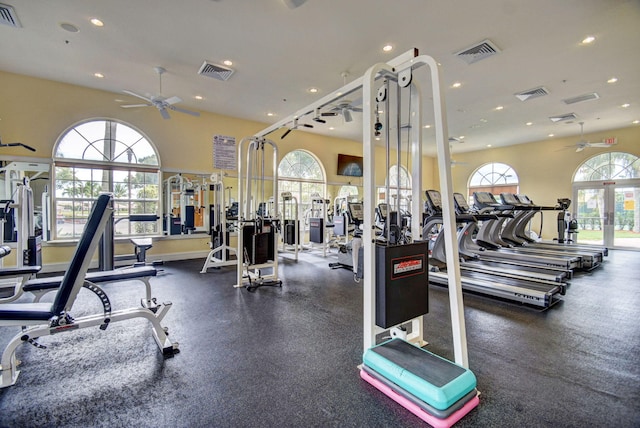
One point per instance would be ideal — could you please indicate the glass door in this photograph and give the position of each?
(626, 230)
(609, 215)
(590, 214)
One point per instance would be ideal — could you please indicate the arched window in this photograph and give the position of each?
(397, 176)
(104, 155)
(495, 178)
(300, 173)
(609, 166)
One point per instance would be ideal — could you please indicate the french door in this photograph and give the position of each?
(608, 213)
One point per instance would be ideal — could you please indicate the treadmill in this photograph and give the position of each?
(515, 232)
(514, 287)
(489, 236)
(478, 257)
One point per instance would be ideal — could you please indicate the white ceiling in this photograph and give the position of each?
(278, 53)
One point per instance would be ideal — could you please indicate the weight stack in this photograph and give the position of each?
(402, 283)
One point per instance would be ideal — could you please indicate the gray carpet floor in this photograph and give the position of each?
(287, 357)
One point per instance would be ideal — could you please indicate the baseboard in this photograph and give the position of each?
(170, 257)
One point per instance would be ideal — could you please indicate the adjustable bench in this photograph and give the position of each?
(44, 319)
(41, 286)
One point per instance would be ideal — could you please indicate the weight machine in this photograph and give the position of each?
(319, 222)
(434, 389)
(290, 223)
(220, 249)
(257, 234)
(184, 206)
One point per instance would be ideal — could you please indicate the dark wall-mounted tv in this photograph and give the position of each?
(350, 165)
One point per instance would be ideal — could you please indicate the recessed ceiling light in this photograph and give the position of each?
(270, 114)
(387, 48)
(635, 122)
(488, 145)
(588, 39)
(96, 22)
(529, 123)
(99, 75)
(456, 85)
(612, 80)
(625, 105)
(427, 126)
(312, 90)
(198, 97)
(484, 120)
(227, 62)
(331, 128)
(461, 137)
(551, 135)
(69, 27)
(499, 108)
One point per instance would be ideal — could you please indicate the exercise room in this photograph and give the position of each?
(293, 213)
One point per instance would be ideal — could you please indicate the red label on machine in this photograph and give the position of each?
(407, 266)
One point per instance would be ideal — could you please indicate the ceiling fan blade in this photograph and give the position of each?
(306, 125)
(357, 109)
(173, 100)
(182, 110)
(164, 113)
(329, 113)
(137, 95)
(579, 149)
(135, 105)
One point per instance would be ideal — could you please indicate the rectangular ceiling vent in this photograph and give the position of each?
(475, 53)
(8, 16)
(216, 71)
(532, 93)
(563, 117)
(580, 98)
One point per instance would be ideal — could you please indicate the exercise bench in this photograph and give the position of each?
(45, 319)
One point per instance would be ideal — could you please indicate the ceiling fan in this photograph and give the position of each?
(158, 101)
(292, 4)
(344, 108)
(583, 144)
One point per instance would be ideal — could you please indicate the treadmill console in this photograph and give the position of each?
(461, 202)
(356, 211)
(383, 210)
(434, 198)
(509, 199)
(484, 198)
(525, 199)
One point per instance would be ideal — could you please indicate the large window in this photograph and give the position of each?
(495, 178)
(105, 156)
(300, 173)
(609, 166)
(397, 176)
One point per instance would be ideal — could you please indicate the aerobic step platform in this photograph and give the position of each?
(432, 379)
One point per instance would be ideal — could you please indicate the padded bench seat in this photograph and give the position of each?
(52, 283)
(26, 311)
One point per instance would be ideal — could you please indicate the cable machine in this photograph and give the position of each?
(257, 217)
(219, 229)
(290, 223)
(434, 389)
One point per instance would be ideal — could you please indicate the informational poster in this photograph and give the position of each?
(629, 201)
(224, 152)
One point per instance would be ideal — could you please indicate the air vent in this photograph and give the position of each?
(580, 98)
(216, 71)
(8, 16)
(483, 50)
(532, 93)
(563, 117)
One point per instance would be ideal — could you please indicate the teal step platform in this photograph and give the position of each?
(433, 379)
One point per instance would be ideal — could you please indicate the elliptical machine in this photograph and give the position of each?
(350, 255)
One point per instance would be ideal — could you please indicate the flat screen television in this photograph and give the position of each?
(350, 165)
